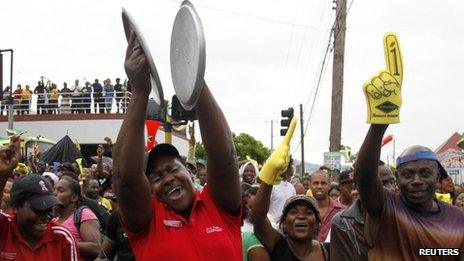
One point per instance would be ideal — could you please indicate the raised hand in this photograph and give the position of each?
(35, 149)
(9, 157)
(383, 91)
(100, 151)
(277, 163)
(136, 66)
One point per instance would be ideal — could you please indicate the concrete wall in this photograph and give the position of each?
(85, 131)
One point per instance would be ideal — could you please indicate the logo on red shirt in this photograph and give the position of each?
(172, 223)
(213, 229)
(8, 255)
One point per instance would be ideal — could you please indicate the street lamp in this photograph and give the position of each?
(10, 100)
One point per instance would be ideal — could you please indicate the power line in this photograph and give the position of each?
(328, 51)
(257, 17)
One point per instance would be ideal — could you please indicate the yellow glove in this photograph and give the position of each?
(383, 91)
(277, 163)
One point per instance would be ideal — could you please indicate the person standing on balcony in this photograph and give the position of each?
(65, 107)
(17, 94)
(53, 100)
(40, 91)
(25, 100)
(109, 94)
(119, 91)
(6, 96)
(86, 97)
(98, 97)
(76, 102)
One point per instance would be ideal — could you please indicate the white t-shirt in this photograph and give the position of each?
(279, 195)
(248, 226)
(76, 90)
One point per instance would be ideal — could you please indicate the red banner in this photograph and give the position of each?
(152, 128)
(387, 139)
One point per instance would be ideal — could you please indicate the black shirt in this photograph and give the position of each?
(282, 251)
(118, 238)
(118, 90)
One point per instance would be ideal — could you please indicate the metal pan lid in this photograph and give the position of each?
(187, 55)
(129, 24)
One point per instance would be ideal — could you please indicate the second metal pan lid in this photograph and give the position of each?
(129, 25)
(187, 55)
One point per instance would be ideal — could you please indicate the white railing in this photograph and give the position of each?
(68, 103)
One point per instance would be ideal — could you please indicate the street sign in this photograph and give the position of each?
(332, 160)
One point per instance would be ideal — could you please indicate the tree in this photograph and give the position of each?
(200, 152)
(245, 144)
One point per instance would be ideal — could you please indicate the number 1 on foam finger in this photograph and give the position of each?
(393, 57)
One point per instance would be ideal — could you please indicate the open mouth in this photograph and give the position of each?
(175, 193)
(41, 226)
(417, 193)
(301, 225)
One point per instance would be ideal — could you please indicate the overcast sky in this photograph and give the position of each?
(262, 57)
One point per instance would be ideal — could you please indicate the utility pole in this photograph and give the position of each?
(302, 142)
(337, 77)
(272, 135)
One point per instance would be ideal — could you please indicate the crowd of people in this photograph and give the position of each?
(162, 206)
(77, 98)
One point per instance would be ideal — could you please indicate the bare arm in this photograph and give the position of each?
(90, 246)
(108, 250)
(9, 158)
(222, 170)
(100, 171)
(263, 229)
(130, 183)
(258, 254)
(369, 185)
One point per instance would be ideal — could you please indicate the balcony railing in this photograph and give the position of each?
(68, 103)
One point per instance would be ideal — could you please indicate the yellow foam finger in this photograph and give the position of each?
(291, 129)
(393, 58)
(371, 90)
(390, 82)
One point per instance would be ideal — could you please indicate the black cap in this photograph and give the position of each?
(37, 190)
(346, 176)
(159, 150)
(311, 202)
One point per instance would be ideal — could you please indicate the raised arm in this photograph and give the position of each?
(100, 171)
(222, 170)
(130, 183)
(383, 98)
(369, 185)
(270, 174)
(9, 158)
(267, 235)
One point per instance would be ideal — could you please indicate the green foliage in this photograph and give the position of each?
(245, 145)
(200, 152)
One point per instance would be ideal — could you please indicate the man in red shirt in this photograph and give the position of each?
(29, 234)
(178, 222)
(320, 185)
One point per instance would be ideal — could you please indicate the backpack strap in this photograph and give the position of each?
(77, 216)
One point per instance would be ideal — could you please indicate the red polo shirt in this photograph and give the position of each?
(210, 234)
(56, 244)
(326, 222)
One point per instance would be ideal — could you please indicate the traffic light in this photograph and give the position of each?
(178, 113)
(287, 116)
